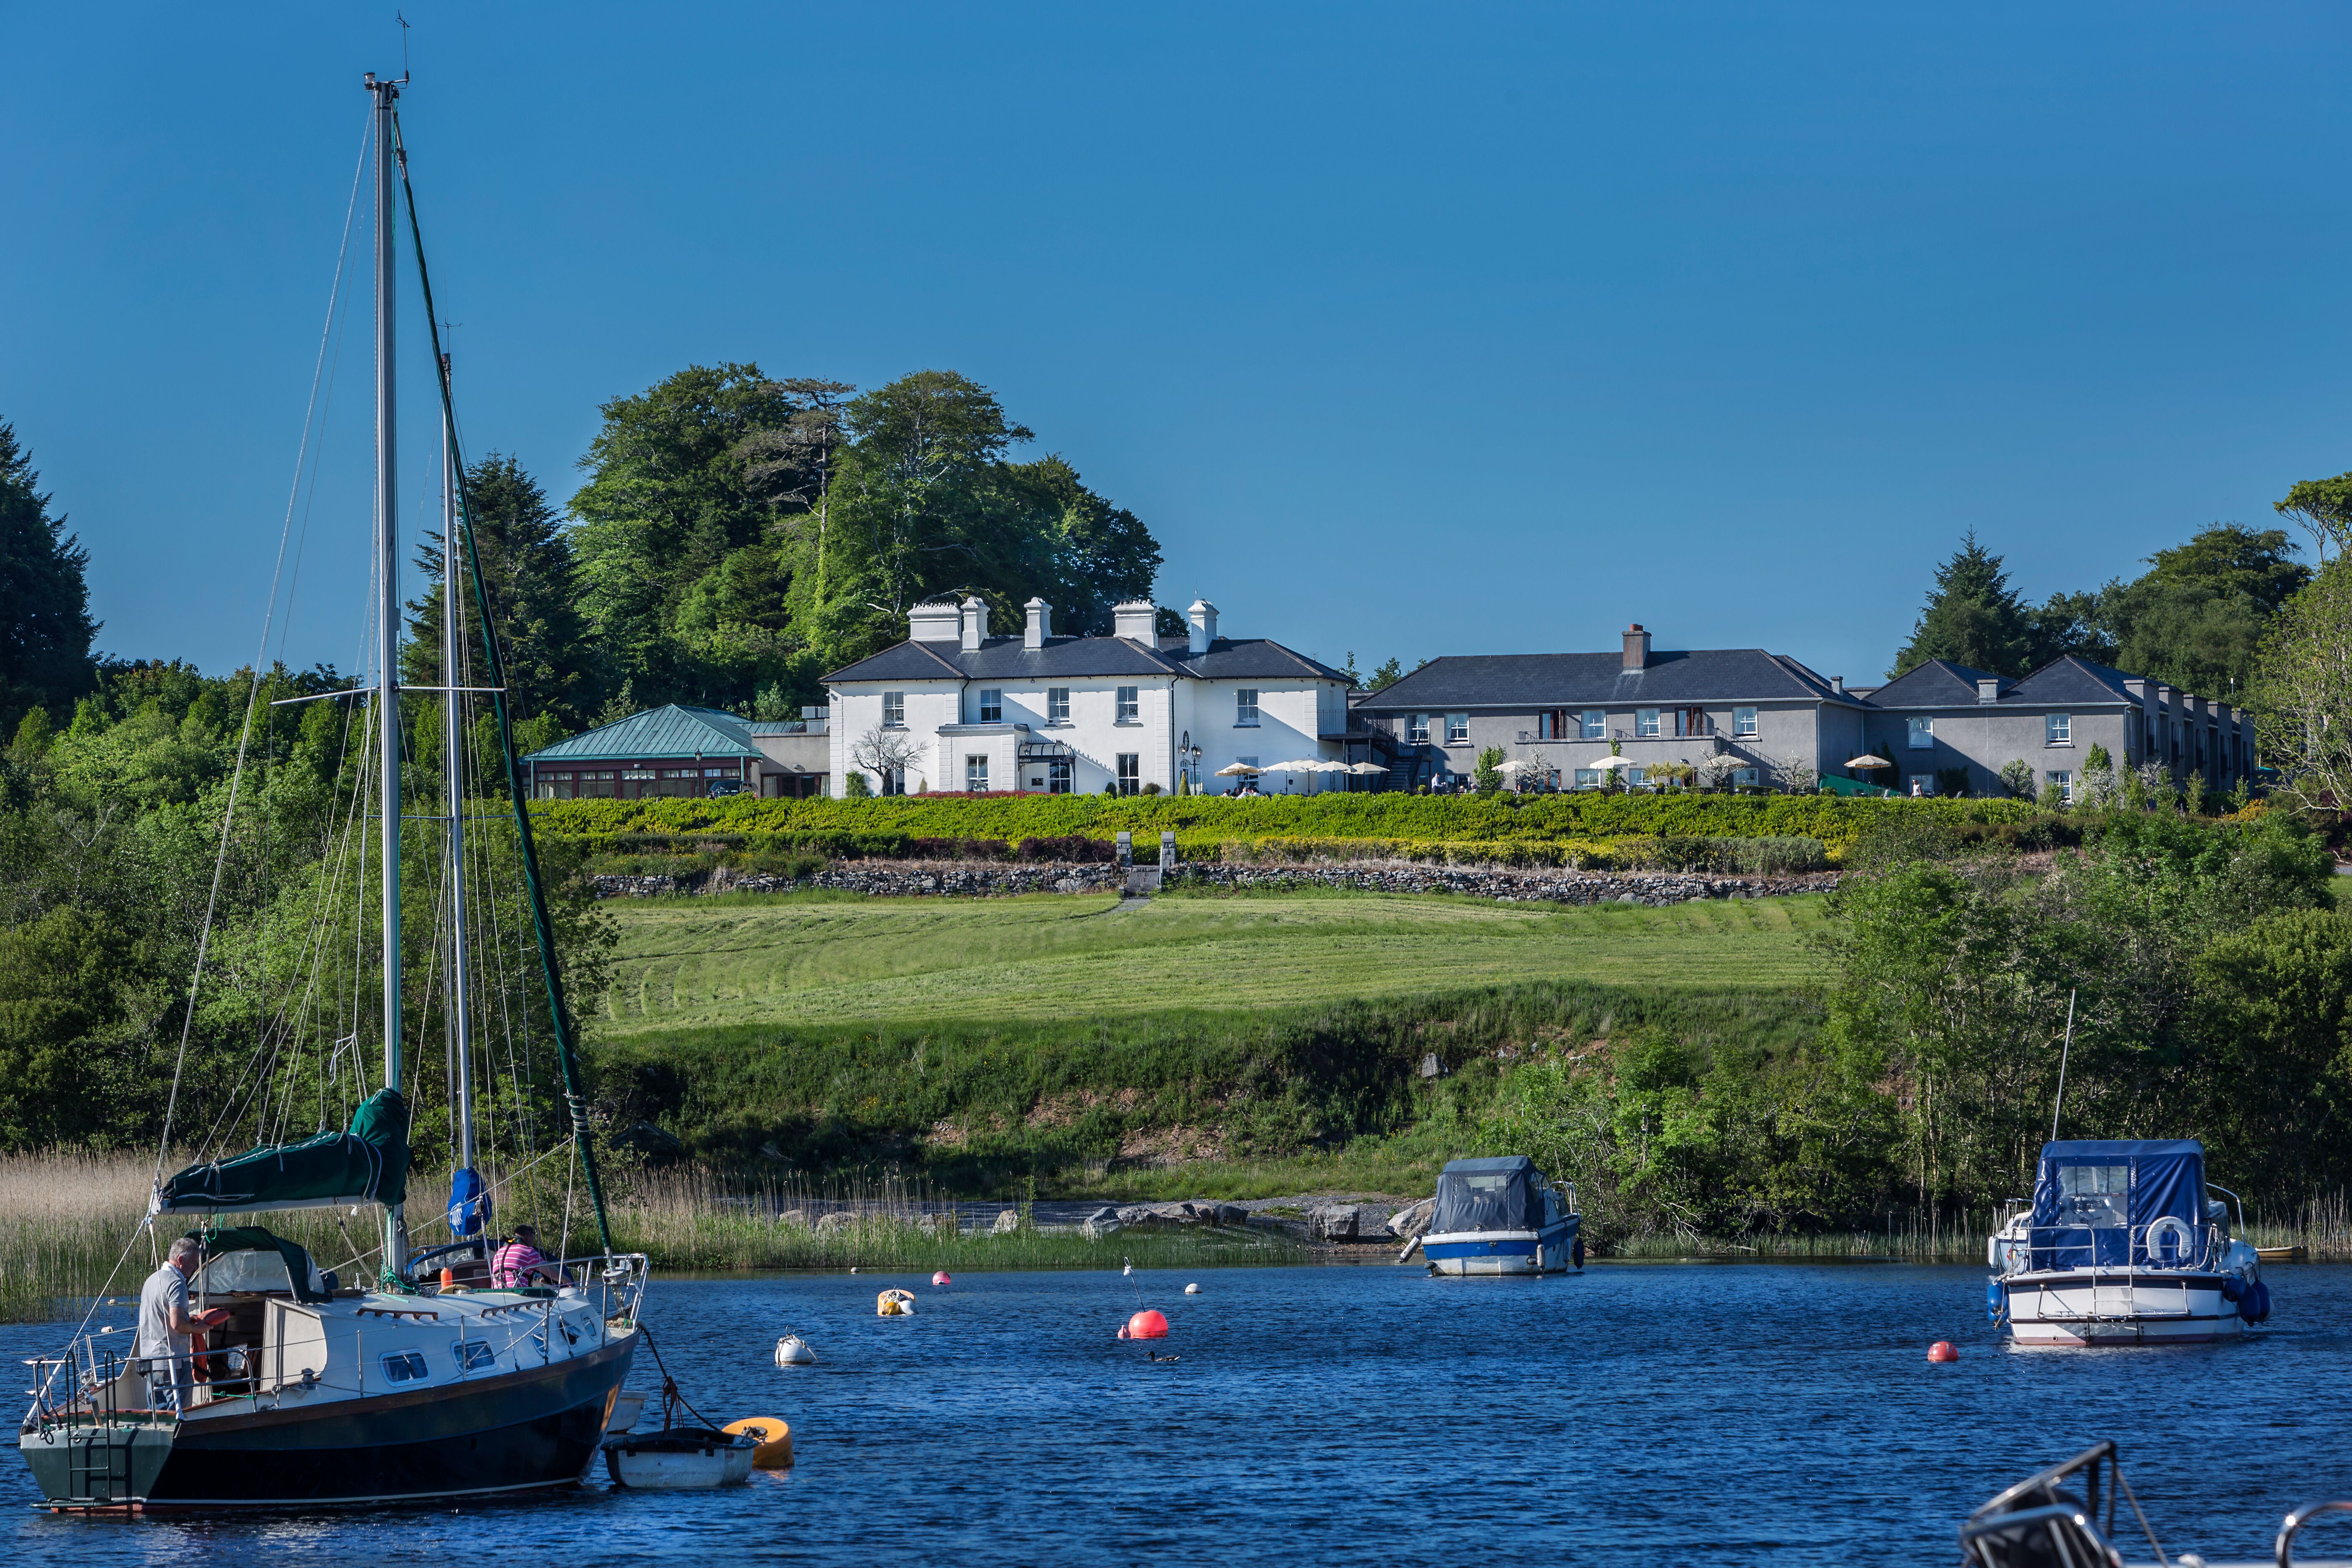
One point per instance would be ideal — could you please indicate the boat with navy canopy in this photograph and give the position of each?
(406, 1385)
(2124, 1243)
(1502, 1215)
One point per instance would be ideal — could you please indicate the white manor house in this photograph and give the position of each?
(1038, 713)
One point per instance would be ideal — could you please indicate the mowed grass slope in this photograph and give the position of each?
(690, 963)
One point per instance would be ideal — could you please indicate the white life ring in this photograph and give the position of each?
(2170, 1224)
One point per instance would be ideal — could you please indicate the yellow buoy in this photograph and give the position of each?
(894, 1303)
(775, 1440)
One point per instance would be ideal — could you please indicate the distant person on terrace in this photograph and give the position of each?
(518, 1260)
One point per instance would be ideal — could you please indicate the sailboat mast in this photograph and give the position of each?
(388, 619)
(453, 735)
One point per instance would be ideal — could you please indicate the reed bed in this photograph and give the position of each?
(69, 1227)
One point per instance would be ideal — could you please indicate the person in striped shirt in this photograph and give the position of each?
(518, 1259)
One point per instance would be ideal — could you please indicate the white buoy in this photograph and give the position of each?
(1126, 1271)
(1192, 1289)
(794, 1350)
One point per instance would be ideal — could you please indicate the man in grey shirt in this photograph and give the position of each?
(165, 1325)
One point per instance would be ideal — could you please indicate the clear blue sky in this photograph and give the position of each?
(1408, 330)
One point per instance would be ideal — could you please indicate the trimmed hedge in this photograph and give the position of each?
(1555, 829)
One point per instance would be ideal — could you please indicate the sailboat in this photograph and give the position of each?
(430, 1382)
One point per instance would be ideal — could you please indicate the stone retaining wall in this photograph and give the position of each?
(983, 879)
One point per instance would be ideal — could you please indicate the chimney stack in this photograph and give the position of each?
(1134, 620)
(1989, 689)
(1202, 620)
(933, 622)
(1040, 628)
(1837, 684)
(975, 622)
(1637, 648)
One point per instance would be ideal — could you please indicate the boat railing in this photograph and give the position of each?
(2204, 1252)
(2293, 1527)
(2038, 1522)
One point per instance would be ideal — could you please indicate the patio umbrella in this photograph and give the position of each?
(1236, 771)
(1616, 763)
(1867, 761)
(1366, 768)
(1302, 765)
(1516, 766)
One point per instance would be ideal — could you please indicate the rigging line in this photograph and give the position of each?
(261, 655)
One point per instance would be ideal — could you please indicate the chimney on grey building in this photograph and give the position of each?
(1637, 648)
(1837, 684)
(933, 622)
(1201, 620)
(1989, 689)
(975, 622)
(1133, 619)
(1041, 624)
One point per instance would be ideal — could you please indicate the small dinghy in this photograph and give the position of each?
(627, 1406)
(794, 1350)
(682, 1458)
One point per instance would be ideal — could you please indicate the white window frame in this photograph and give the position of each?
(894, 710)
(1645, 724)
(1128, 768)
(975, 772)
(1588, 778)
(1743, 724)
(1416, 729)
(992, 705)
(2065, 779)
(1592, 724)
(1458, 729)
(1923, 733)
(1245, 715)
(2057, 729)
(1057, 705)
(1130, 705)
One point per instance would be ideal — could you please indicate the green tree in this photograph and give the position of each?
(2323, 509)
(1972, 617)
(2195, 619)
(73, 1018)
(46, 630)
(534, 590)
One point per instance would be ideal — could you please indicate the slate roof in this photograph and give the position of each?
(1528, 680)
(1940, 683)
(666, 731)
(1005, 658)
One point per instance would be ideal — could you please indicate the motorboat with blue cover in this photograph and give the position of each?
(2123, 1245)
(1502, 1215)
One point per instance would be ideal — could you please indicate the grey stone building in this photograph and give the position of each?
(1942, 720)
(1759, 718)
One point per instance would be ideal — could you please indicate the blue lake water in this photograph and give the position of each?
(1748, 1414)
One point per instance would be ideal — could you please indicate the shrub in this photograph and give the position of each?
(855, 787)
(1151, 788)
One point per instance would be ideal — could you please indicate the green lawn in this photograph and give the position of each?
(690, 963)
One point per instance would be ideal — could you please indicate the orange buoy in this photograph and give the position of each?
(942, 1278)
(774, 1437)
(1147, 1325)
(449, 1279)
(1943, 1350)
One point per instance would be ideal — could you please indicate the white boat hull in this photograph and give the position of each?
(1488, 1252)
(2119, 1307)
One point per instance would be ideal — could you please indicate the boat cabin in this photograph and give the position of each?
(2122, 1203)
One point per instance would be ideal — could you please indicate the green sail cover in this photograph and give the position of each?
(368, 1165)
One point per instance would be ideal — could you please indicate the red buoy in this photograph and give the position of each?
(1943, 1350)
(1147, 1325)
(942, 1278)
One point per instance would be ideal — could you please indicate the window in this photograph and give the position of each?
(2064, 783)
(1057, 775)
(1595, 725)
(1645, 721)
(1691, 722)
(1746, 778)
(1923, 783)
(1057, 705)
(1130, 772)
(1129, 709)
(1636, 777)
(2098, 1196)
(1417, 730)
(2058, 729)
(1743, 724)
(1923, 734)
(894, 781)
(975, 774)
(991, 706)
(1245, 707)
(474, 1354)
(894, 710)
(1458, 729)
(405, 1366)
(711, 773)
(1588, 778)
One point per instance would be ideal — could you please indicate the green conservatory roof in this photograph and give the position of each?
(666, 731)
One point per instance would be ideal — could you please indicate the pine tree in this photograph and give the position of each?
(1972, 618)
(45, 626)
